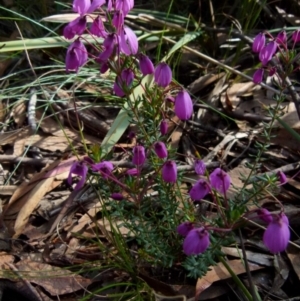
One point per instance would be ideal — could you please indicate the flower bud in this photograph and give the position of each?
(199, 167)
(267, 52)
(281, 38)
(117, 196)
(146, 66)
(104, 167)
(265, 215)
(258, 43)
(139, 155)
(258, 76)
(163, 75)
(161, 150)
(163, 127)
(199, 190)
(196, 241)
(219, 180)
(296, 36)
(169, 172)
(282, 177)
(183, 105)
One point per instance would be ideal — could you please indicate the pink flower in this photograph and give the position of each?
(169, 172)
(163, 127)
(146, 65)
(118, 20)
(78, 169)
(128, 41)
(139, 155)
(123, 81)
(105, 167)
(98, 29)
(132, 172)
(277, 235)
(109, 45)
(162, 75)
(282, 177)
(124, 5)
(183, 105)
(199, 190)
(296, 36)
(258, 42)
(196, 242)
(184, 228)
(267, 52)
(160, 150)
(258, 76)
(199, 167)
(76, 56)
(117, 196)
(265, 215)
(76, 27)
(281, 38)
(85, 6)
(219, 180)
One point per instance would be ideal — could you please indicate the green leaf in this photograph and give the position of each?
(122, 121)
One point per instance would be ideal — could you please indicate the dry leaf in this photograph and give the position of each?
(219, 272)
(19, 113)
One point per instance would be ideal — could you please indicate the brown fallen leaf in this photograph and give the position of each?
(54, 280)
(219, 272)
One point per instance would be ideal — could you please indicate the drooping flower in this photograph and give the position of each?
(98, 29)
(281, 38)
(163, 75)
(79, 169)
(124, 80)
(199, 190)
(184, 228)
(219, 180)
(265, 215)
(296, 36)
(183, 105)
(76, 27)
(128, 41)
(109, 46)
(199, 167)
(139, 155)
(124, 5)
(118, 20)
(76, 56)
(196, 242)
(169, 172)
(104, 167)
(117, 196)
(258, 43)
(163, 127)
(277, 235)
(267, 52)
(160, 150)
(258, 76)
(132, 172)
(282, 177)
(86, 6)
(146, 65)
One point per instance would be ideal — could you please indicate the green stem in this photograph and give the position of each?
(236, 279)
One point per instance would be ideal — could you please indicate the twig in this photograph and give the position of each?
(15, 159)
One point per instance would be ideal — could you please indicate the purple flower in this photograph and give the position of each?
(277, 235)
(128, 41)
(105, 167)
(282, 177)
(199, 167)
(79, 169)
(139, 155)
(199, 190)
(118, 20)
(160, 150)
(267, 52)
(98, 29)
(125, 80)
(219, 180)
(163, 127)
(272, 71)
(124, 5)
(184, 228)
(76, 27)
(281, 38)
(163, 75)
(169, 172)
(146, 65)
(85, 6)
(258, 43)
(196, 241)
(296, 36)
(183, 105)
(76, 56)
(265, 215)
(109, 45)
(258, 76)
(132, 172)
(117, 196)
